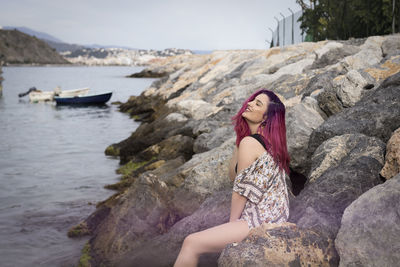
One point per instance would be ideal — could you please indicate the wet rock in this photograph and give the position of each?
(339, 177)
(392, 158)
(280, 245)
(376, 114)
(370, 231)
(148, 74)
(301, 121)
(170, 148)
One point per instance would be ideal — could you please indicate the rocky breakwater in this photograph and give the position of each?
(343, 105)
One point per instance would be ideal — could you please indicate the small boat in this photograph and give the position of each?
(97, 99)
(39, 96)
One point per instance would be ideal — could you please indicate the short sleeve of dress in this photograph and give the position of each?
(250, 182)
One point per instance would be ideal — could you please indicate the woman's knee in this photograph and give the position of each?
(190, 244)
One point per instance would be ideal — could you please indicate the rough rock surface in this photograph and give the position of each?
(392, 158)
(179, 155)
(370, 231)
(301, 121)
(280, 245)
(376, 114)
(344, 167)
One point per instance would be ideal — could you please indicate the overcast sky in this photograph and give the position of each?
(151, 24)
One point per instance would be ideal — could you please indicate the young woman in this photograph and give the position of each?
(259, 166)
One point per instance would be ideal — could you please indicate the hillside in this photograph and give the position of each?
(19, 48)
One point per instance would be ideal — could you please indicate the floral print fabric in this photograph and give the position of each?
(264, 186)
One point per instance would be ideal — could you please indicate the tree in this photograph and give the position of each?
(343, 19)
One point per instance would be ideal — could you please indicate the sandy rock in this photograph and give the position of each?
(392, 158)
(280, 245)
(370, 54)
(388, 68)
(338, 180)
(370, 231)
(349, 87)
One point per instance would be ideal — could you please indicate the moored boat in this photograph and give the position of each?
(95, 99)
(39, 96)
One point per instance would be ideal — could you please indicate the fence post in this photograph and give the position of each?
(272, 36)
(283, 42)
(277, 43)
(292, 25)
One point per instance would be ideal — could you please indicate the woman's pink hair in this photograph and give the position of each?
(272, 129)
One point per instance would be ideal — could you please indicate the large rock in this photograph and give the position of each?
(280, 245)
(349, 87)
(335, 53)
(370, 53)
(340, 175)
(370, 231)
(163, 250)
(392, 158)
(376, 114)
(301, 121)
(343, 149)
(204, 174)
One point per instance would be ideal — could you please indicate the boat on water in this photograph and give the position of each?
(95, 99)
(40, 96)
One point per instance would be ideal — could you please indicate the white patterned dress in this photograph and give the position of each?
(264, 186)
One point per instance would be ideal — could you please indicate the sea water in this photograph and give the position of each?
(52, 163)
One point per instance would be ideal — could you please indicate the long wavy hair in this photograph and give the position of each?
(272, 129)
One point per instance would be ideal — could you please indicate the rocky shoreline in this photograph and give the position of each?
(343, 116)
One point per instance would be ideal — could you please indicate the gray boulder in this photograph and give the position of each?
(301, 121)
(370, 231)
(321, 203)
(376, 114)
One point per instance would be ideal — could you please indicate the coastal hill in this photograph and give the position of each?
(19, 48)
(342, 103)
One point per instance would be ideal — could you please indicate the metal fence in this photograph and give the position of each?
(287, 31)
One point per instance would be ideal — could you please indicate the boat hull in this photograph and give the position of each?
(98, 99)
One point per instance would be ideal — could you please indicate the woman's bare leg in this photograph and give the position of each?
(210, 240)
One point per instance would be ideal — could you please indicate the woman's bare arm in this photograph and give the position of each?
(249, 150)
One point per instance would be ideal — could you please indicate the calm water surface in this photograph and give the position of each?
(52, 163)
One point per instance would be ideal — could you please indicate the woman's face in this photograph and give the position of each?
(256, 109)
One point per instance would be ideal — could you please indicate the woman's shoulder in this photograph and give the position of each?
(250, 145)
